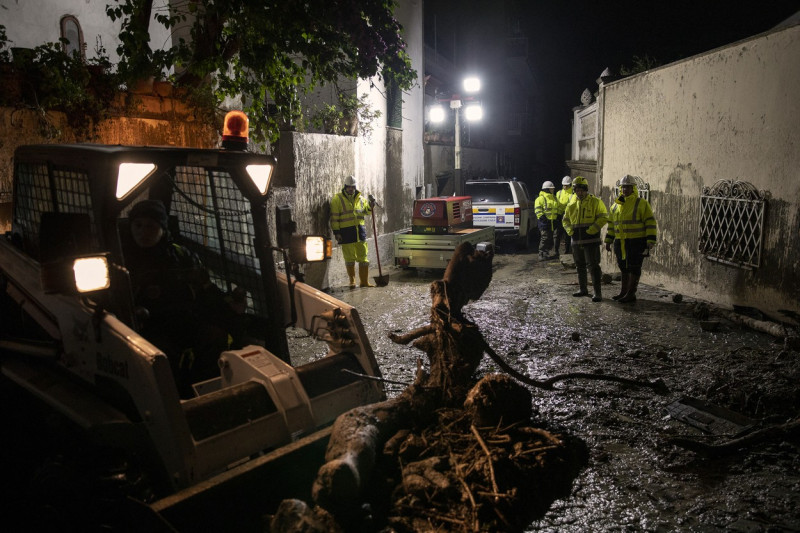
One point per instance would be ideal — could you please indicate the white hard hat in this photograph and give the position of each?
(566, 181)
(350, 181)
(548, 185)
(627, 180)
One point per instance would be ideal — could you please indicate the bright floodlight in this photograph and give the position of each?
(473, 112)
(130, 175)
(472, 84)
(436, 113)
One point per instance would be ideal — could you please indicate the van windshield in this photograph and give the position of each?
(488, 192)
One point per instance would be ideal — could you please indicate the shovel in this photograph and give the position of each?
(380, 279)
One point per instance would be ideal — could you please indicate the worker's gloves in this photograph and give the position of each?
(338, 237)
(371, 200)
(608, 247)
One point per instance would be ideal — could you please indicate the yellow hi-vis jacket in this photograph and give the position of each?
(546, 205)
(584, 219)
(564, 196)
(631, 218)
(347, 216)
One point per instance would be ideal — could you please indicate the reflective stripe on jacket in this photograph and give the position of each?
(347, 216)
(584, 219)
(631, 218)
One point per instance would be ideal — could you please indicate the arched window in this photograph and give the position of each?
(73, 35)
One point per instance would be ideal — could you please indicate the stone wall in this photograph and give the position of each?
(167, 123)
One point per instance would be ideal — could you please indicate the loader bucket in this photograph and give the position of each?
(244, 494)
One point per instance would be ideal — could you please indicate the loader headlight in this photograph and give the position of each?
(130, 175)
(260, 175)
(83, 274)
(91, 274)
(309, 249)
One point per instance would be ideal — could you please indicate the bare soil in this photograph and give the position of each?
(636, 478)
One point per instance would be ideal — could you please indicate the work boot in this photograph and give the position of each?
(363, 274)
(351, 271)
(633, 284)
(581, 284)
(623, 289)
(596, 282)
(542, 256)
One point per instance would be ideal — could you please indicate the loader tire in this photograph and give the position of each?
(55, 480)
(86, 493)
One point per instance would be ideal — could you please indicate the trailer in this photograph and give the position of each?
(439, 225)
(435, 250)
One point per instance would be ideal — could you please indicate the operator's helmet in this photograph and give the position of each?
(580, 183)
(350, 181)
(627, 180)
(566, 180)
(548, 185)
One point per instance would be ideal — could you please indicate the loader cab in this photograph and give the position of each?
(215, 201)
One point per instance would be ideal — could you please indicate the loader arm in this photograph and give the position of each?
(328, 319)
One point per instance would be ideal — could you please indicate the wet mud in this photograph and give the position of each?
(636, 478)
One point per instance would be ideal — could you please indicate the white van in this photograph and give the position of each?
(506, 205)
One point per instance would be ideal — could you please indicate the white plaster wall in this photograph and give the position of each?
(409, 13)
(371, 153)
(30, 23)
(729, 114)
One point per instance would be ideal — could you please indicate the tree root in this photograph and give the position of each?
(658, 385)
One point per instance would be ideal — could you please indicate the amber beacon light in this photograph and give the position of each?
(235, 131)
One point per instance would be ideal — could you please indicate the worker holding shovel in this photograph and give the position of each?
(348, 211)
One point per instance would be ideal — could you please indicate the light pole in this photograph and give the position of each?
(472, 111)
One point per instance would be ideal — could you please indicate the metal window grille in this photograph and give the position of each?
(732, 223)
(40, 189)
(216, 223)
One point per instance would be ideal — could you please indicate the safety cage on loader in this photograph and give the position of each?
(212, 201)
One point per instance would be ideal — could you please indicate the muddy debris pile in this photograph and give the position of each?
(451, 474)
(455, 476)
(447, 454)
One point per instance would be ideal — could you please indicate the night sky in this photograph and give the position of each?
(572, 41)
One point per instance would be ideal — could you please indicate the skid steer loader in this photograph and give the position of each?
(97, 432)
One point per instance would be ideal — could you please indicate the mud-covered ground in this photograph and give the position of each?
(635, 480)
